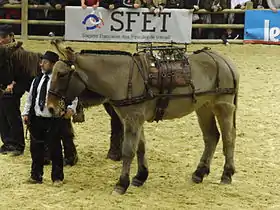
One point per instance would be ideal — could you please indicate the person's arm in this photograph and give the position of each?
(83, 4)
(271, 6)
(28, 102)
(96, 5)
(223, 4)
(104, 3)
(207, 5)
(58, 4)
(116, 3)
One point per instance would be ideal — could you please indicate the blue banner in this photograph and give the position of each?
(262, 26)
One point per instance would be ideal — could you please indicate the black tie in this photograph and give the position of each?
(43, 93)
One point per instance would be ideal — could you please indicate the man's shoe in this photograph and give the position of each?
(16, 152)
(57, 183)
(35, 180)
(3, 150)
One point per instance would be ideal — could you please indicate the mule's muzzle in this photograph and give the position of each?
(53, 105)
(51, 110)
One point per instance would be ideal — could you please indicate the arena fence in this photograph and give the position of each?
(25, 22)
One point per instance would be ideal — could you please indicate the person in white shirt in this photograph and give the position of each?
(274, 5)
(44, 128)
(234, 3)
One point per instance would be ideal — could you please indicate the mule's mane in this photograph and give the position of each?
(106, 52)
(26, 61)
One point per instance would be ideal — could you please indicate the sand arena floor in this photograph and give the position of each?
(174, 149)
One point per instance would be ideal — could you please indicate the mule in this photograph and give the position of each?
(121, 78)
(24, 66)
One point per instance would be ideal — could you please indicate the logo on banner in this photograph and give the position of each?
(93, 21)
(128, 25)
(271, 33)
(262, 27)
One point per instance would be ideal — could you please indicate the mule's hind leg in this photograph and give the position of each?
(225, 114)
(211, 137)
(142, 173)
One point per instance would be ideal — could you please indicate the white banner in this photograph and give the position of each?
(127, 25)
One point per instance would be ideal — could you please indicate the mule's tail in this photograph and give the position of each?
(235, 100)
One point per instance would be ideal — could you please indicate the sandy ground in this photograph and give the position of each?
(174, 149)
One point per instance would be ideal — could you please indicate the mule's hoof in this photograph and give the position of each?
(114, 156)
(136, 182)
(226, 180)
(141, 177)
(119, 190)
(122, 185)
(196, 179)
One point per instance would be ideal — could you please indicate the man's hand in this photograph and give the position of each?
(10, 87)
(274, 10)
(25, 119)
(84, 6)
(157, 11)
(95, 5)
(111, 6)
(136, 6)
(58, 6)
(195, 7)
(69, 113)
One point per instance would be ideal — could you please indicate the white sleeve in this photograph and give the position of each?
(28, 102)
(74, 104)
(270, 5)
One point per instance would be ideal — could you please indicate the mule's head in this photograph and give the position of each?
(6, 52)
(68, 81)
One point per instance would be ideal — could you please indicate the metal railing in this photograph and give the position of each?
(25, 22)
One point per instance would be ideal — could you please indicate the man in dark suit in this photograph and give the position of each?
(44, 128)
(11, 127)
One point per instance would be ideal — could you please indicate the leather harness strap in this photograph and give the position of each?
(164, 97)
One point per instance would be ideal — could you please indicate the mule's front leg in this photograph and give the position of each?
(130, 143)
(142, 173)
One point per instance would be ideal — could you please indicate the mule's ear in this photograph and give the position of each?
(82, 76)
(58, 48)
(14, 45)
(70, 49)
(67, 52)
(19, 44)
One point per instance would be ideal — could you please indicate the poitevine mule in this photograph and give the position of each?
(122, 79)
